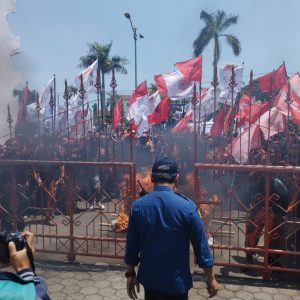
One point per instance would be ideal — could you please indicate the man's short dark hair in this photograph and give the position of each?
(164, 169)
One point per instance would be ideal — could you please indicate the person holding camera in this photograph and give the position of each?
(17, 250)
(161, 226)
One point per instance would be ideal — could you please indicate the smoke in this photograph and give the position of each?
(9, 77)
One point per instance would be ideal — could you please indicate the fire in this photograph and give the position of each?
(210, 201)
(144, 177)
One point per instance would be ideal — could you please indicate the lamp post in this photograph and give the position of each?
(135, 36)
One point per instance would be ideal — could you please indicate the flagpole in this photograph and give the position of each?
(67, 97)
(250, 107)
(55, 111)
(82, 92)
(200, 96)
(51, 104)
(195, 133)
(98, 89)
(9, 121)
(38, 109)
(289, 101)
(232, 85)
(271, 100)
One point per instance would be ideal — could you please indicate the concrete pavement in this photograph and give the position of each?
(107, 282)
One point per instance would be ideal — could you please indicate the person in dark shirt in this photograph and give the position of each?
(161, 226)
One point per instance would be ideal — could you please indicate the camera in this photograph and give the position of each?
(5, 238)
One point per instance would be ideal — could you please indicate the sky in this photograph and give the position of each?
(53, 34)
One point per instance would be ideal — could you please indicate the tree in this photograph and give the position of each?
(215, 26)
(105, 63)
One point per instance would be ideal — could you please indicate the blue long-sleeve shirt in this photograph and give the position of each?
(161, 226)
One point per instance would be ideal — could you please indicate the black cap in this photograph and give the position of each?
(165, 167)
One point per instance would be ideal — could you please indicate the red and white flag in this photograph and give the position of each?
(271, 123)
(250, 114)
(138, 103)
(117, 113)
(281, 100)
(152, 103)
(183, 125)
(175, 85)
(244, 142)
(223, 91)
(160, 113)
(225, 74)
(278, 78)
(191, 68)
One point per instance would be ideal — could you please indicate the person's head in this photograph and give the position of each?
(164, 171)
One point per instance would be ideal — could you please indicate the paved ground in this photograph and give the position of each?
(107, 282)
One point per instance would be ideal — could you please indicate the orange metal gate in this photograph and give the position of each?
(252, 215)
(74, 208)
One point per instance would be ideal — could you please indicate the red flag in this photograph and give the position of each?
(191, 69)
(278, 79)
(217, 128)
(182, 125)
(117, 113)
(257, 110)
(160, 113)
(25, 95)
(23, 106)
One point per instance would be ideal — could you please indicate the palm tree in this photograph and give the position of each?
(215, 26)
(105, 63)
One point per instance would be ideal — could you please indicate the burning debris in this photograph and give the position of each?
(143, 180)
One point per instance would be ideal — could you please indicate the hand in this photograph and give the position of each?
(212, 287)
(19, 259)
(132, 282)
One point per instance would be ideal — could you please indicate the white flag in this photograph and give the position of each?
(44, 99)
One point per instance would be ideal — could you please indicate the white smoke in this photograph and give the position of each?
(9, 77)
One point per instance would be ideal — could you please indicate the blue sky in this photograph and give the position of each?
(54, 33)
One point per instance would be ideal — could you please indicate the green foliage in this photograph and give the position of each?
(105, 62)
(215, 26)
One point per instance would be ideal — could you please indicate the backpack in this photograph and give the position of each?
(12, 287)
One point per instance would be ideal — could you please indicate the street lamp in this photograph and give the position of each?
(135, 36)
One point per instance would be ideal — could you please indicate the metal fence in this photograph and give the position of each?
(252, 215)
(74, 208)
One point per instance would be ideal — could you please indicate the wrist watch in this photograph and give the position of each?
(130, 274)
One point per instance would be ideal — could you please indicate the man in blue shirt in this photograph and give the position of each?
(161, 226)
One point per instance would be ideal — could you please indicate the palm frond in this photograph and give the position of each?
(202, 40)
(207, 17)
(234, 43)
(230, 20)
(219, 19)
